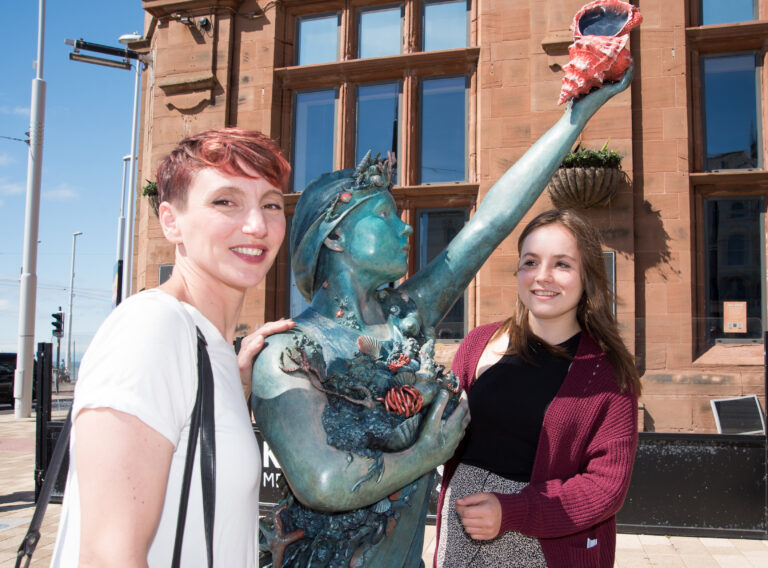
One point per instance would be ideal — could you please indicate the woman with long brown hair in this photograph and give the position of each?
(548, 456)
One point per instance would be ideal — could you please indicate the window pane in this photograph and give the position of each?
(733, 268)
(318, 39)
(442, 137)
(380, 32)
(727, 11)
(437, 228)
(377, 119)
(731, 115)
(445, 24)
(312, 136)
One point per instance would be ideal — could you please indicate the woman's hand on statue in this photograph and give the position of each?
(252, 344)
(441, 435)
(480, 514)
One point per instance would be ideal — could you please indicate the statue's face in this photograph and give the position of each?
(375, 240)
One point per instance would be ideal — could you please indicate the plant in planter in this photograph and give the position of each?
(586, 178)
(150, 192)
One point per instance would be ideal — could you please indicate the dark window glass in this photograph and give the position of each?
(437, 228)
(734, 265)
(442, 133)
(317, 39)
(727, 11)
(312, 136)
(380, 31)
(445, 24)
(377, 119)
(731, 112)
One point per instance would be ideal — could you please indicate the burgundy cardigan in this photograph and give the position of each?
(583, 461)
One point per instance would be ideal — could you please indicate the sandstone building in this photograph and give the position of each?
(460, 89)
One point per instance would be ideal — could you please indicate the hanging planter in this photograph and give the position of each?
(150, 192)
(586, 178)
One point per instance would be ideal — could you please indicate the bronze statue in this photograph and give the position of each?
(350, 401)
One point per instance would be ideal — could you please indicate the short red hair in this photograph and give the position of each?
(233, 151)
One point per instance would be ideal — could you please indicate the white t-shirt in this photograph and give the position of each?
(143, 361)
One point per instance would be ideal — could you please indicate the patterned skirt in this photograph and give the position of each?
(457, 550)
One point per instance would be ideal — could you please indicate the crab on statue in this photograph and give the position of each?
(351, 400)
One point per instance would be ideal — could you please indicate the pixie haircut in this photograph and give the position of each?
(233, 151)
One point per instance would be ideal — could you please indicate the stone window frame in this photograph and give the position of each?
(408, 67)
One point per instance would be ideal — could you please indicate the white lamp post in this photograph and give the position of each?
(69, 315)
(22, 388)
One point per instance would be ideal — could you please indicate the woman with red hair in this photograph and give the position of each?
(221, 206)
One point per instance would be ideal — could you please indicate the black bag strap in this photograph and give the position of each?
(27, 547)
(201, 413)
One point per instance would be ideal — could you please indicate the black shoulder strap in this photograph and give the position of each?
(27, 547)
(202, 412)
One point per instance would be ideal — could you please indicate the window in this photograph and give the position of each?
(445, 24)
(318, 39)
(734, 268)
(383, 76)
(442, 140)
(436, 228)
(727, 12)
(731, 113)
(313, 135)
(380, 31)
(377, 124)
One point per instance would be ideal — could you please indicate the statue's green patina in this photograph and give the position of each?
(350, 401)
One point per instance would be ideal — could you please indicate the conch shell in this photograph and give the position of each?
(599, 52)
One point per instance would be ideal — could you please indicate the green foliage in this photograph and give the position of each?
(150, 188)
(585, 158)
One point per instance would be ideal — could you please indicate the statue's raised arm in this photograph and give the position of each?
(437, 286)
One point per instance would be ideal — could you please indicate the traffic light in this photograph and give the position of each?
(58, 324)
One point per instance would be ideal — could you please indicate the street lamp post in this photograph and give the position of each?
(120, 239)
(71, 294)
(128, 256)
(22, 388)
(125, 235)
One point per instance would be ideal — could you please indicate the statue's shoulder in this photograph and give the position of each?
(285, 362)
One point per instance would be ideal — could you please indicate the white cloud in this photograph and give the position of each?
(61, 193)
(5, 305)
(6, 160)
(9, 188)
(17, 110)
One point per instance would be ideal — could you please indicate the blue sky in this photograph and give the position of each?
(87, 133)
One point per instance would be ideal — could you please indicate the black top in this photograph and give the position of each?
(507, 405)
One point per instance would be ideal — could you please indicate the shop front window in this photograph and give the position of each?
(735, 288)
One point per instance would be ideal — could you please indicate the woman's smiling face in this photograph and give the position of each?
(549, 276)
(230, 228)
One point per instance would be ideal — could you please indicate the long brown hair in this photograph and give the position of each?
(594, 312)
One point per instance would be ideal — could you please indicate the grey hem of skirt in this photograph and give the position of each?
(457, 550)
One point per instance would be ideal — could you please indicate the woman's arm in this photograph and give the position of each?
(288, 411)
(437, 286)
(123, 467)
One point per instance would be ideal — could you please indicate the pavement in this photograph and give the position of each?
(17, 493)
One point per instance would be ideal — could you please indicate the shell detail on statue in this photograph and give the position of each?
(599, 52)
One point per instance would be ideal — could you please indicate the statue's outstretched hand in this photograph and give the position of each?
(584, 107)
(440, 435)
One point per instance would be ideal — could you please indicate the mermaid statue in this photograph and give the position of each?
(351, 401)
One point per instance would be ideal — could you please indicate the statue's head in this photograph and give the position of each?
(324, 204)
